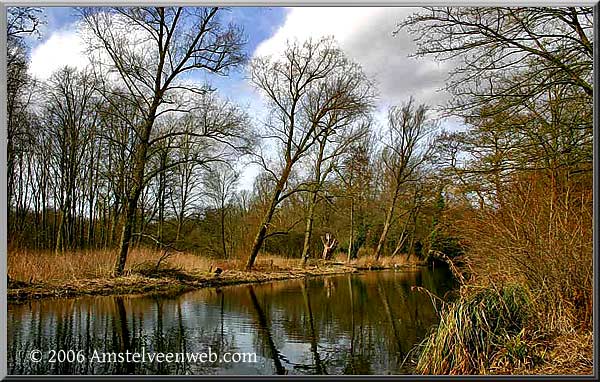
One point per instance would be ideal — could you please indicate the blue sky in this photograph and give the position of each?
(258, 22)
(364, 33)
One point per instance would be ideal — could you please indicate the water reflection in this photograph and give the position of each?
(348, 324)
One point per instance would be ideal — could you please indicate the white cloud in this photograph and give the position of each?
(63, 47)
(305, 22)
(365, 34)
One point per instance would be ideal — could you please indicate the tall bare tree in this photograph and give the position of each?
(310, 86)
(147, 50)
(20, 87)
(332, 145)
(402, 154)
(355, 173)
(70, 118)
(219, 188)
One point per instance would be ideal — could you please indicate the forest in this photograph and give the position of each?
(128, 173)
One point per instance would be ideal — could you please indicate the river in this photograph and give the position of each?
(363, 323)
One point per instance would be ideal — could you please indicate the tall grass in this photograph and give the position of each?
(479, 332)
(48, 267)
(368, 260)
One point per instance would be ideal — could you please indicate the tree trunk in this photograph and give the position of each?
(309, 226)
(128, 222)
(60, 237)
(114, 221)
(140, 219)
(386, 225)
(262, 232)
(179, 225)
(403, 236)
(351, 229)
(400, 244)
(313, 201)
(45, 242)
(161, 199)
(223, 243)
(134, 195)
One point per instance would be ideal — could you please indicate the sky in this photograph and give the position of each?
(364, 33)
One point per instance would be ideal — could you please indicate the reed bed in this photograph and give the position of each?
(30, 267)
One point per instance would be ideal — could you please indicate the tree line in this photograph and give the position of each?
(129, 152)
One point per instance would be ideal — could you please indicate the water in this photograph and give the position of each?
(349, 324)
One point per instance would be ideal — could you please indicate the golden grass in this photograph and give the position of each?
(43, 266)
(179, 273)
(571, 354)
(539, 239)
(48, 267)
(383, 262)
(37, 274)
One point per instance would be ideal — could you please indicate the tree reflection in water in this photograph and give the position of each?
(348, 324)
(265, 333)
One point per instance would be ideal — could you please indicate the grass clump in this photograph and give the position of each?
(481, 331)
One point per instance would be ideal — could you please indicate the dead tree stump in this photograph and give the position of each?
(330, 243)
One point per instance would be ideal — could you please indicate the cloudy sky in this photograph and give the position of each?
(365, 34)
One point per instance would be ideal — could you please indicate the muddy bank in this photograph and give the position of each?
(168, 281)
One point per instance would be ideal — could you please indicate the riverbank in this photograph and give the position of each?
(161, 283)
(51, 275)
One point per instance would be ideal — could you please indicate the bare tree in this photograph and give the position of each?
(20, 88)
(22, 21)
(511, 53)
(215, 132)
(414, 204)
(403, 153)
(306, 89)
(355, 173)
(147, 50)
(219, 187)
(332, 144)
(117, 140)
(70, 117)
(184, 192)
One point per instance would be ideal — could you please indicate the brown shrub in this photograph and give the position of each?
(540, 234)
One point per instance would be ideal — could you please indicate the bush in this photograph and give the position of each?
(538, 234)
